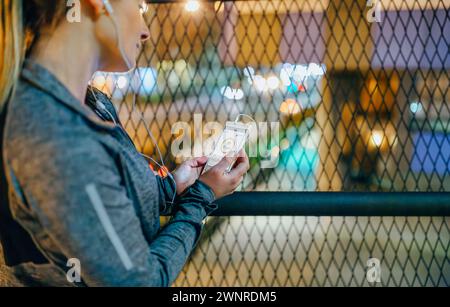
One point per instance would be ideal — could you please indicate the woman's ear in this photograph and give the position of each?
(97, 6)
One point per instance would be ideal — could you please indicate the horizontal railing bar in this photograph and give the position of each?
(334, 204)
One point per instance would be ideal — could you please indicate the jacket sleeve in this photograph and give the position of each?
(166, 189)
(79, 198)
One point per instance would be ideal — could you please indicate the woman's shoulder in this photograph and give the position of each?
(36, 121)
(31, 110)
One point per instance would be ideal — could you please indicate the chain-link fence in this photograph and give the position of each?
(346, 95)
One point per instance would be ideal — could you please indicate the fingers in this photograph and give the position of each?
(241, 166)
(237, 182)
(242, 153)
(240, 169)
(243, 158)
(224, 164)
(199, 162)
(223, 182)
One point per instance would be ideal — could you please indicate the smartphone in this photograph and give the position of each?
(230, 143)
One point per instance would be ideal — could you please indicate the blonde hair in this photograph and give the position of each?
(11, 46)
(20, 25)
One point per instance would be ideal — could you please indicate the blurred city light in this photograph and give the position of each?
(99, 81)
(249, 71)
(310, 140)
(273, 82)
(122, 82)
(192, 6)
(260, 83)
(284, 144)
(377, 137)
(290, 107)
(230, 93)
(415, 107)
(142, 82)
(145, 81)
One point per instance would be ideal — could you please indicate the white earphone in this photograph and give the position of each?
(108, 7)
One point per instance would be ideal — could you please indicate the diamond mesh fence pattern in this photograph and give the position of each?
(360, 93)
(321, 251)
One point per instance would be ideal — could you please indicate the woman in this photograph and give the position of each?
(76, 195)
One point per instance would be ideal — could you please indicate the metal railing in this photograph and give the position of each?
(334, 204)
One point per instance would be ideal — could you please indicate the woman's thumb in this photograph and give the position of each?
(200, 161)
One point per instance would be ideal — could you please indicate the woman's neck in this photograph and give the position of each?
(70, 56)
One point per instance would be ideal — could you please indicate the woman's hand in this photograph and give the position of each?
(223, 183)
(188, 172)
